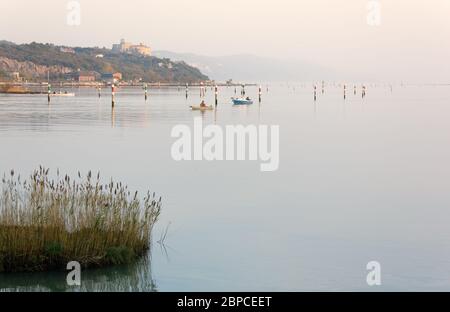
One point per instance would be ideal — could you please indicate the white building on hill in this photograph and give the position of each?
(127, 47)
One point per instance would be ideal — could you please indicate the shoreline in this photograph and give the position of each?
(122, 84)
(36, 88)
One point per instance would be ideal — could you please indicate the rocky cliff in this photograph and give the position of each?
(31, 70)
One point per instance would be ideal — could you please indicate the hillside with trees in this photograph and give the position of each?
(35, 60)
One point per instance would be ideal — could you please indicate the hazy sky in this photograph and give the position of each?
(412, 41)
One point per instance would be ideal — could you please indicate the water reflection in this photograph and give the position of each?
(113, 117)
(135, 277)
(388, 159)
(86, 110)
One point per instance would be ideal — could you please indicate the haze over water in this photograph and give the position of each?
(359, 180)
(409, 44)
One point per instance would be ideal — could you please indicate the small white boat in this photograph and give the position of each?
(242, 101)
(62, 94)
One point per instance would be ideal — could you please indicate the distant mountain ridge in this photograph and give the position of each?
(35, 60)
(246, 67)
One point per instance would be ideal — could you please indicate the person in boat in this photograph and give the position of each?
(247, 98)
(203, 104)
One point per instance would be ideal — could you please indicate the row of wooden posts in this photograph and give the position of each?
(202, 92)
(363, 90)
(216, 92)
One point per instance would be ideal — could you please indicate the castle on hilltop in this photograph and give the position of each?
(127, 47)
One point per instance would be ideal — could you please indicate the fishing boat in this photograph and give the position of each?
(202, 108)
(242, 101)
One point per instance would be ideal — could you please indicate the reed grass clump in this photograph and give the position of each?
(46, 223)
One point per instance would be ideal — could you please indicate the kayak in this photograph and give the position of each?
(202, 108)
(241, 101)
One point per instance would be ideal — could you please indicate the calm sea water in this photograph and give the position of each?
(359, 180)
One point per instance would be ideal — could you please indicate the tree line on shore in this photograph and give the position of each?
(37, 61)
